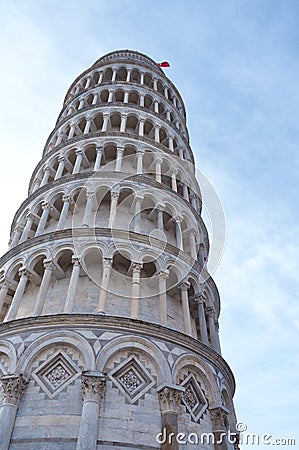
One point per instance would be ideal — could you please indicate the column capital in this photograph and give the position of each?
(107, 262)
(24, 272)
(93, 386)
(5, 283)
(170, 398)
(140, 152)
(219, 417)
(66, 198)
(99, 148)
(192, 231)
(75, 261)
(61, 158)
(184, 286)
(48, 264)
(160, 208)
(79, 151)
(136, 267)
(163, 275)
(90, 194)
(13, 387)
(211, 312)
(18, 227)
(178, 219)
(46, 205)
(199, 298)
(114, 194)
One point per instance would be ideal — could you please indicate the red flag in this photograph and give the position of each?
(164, 64)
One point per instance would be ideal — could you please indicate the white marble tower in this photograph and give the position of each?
(109, 319)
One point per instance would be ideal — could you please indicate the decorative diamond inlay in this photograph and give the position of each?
(56, 373)
(193, 398)
(132, 378)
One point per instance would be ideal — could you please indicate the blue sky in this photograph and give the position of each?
(236, 64)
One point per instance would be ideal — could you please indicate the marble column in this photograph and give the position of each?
(170, 143)
(95, 99)
(158, 169)
(141, 100)
(128, 79)
(17, 298)
(162, 277)
(93, 390)
(43, 220)
(126, 97)
(192, 240)
(44, 288)
(105, 122)
(87, 125)
(140, 154)
(174, 186)
(16, 235)
(45, 176)
(141, 127)
(114, 73)
(110, 96)
(200, 303)
(113, 206)
(170, 401)
(123, 123)
(119, 157)
(211, 315)
(97, 164)
(81, 104)
(186, 307)
(219, 420)
(135, 290)
(202, 254)
(88, 209)
(60, 168)
(157, 133)
(66, 199)
(104, 288)
(72, 289)
(4, 286)
(160, 220)
(194, 201)
(78, 162)
(13, 387)
(72, 130)
(137, 214)
(178, 232)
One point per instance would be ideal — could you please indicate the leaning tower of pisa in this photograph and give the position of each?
(109, 318)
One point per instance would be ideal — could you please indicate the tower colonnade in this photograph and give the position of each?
(105, 295)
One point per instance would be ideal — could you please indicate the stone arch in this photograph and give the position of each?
(204, 372)
(137, 343)
(57, 337)
(8, 349)
(11, 270)
(39, 253)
